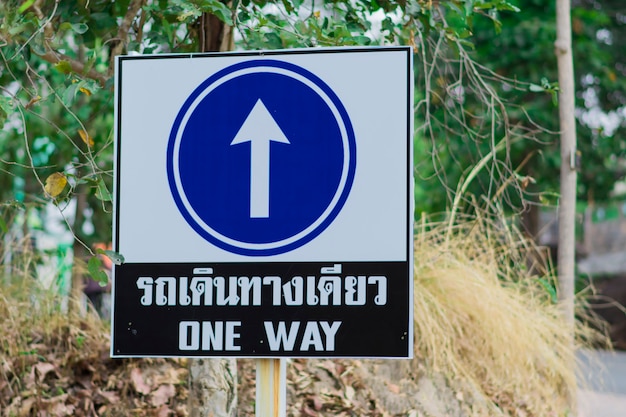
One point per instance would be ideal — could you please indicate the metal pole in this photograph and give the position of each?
(271, 388)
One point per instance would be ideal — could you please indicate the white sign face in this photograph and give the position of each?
(292, 167)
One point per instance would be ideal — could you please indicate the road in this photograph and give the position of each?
(602, 391)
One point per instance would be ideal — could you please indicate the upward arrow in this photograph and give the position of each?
(259, 129)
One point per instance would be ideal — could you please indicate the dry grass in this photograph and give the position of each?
(486, 321)
(55, 363)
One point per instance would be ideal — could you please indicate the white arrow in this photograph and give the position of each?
(259, 129)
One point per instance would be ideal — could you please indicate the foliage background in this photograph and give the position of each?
(485, 105)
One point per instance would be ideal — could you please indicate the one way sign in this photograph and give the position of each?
(264, 204)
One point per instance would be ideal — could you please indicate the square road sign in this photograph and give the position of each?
(263, 204)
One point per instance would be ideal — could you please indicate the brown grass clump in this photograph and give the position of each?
(490, 323)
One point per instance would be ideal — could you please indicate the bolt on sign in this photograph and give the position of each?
(264, 204)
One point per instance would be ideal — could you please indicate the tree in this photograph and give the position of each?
(521, 49)
(567, 123)
(58, 61)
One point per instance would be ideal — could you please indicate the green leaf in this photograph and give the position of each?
(388, 24)
(497, 25)
(96, 270)
(80, 341)
(505, 5)
(16, 30)
(220, 10)
(68, 96)
(550, 289)
(6, 108)
(3, 226)
(288, 6)
(115, 257)
(80, 28)
(360, 40)
(88, 87)
(25, 6)
(536, 88)
(93, 182)
(243, 16)
(38, 44)
(102, 192)
(454, 8)
(484, 5)
(273, 40)
(469, 7)
(63, 67)
(555, 97)
(413, 8)
(167, 28)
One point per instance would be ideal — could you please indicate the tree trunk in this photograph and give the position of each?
(212, 387)
(214, 35)
(213, 382)
(567, 201)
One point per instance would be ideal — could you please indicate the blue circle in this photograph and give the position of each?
(310, 177)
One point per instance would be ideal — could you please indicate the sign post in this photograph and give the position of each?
(271, 388)
(264, 206)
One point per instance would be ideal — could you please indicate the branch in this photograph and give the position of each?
(76, 66)
(55, 57)
(122, 32)
(466, 182)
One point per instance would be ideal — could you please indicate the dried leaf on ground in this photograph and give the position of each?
(162, 395)
(138, 383)
(110, 397)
